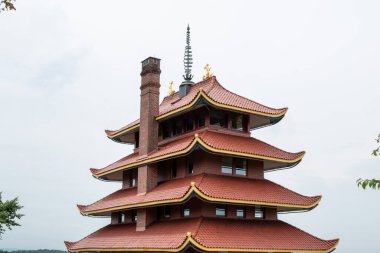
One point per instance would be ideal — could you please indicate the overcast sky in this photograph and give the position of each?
(70, 69)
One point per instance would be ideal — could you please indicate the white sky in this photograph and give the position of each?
(70, 69)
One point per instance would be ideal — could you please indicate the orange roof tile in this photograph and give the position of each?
(214, 142)
(206, 234)
(214, 93)
(214, 188)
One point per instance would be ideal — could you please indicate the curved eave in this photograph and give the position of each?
(199, 141)
(191, 242)
(274, 118)
(193, 189)
(114, 135)
(202, 94)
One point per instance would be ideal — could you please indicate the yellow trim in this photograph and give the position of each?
(194, 189)
(201, 93)
(198, 140)
(124, 131)
(217, 104)
(191, 240)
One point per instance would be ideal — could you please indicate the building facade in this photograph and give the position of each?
(195, 180)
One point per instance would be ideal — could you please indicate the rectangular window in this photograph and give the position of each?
(137, 139)
(259, 213)
(226, 165)
(167, 211)
(133, 215)
(241, 167)
(218, 118)
(166, 130)
(240, 212)
(190, 165)
(174, 169)
(189, 124)
(186, 212)
(201, 119)
(220, 211)
(237, 122)
(177, 127)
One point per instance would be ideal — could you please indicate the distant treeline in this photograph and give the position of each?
(34, 251)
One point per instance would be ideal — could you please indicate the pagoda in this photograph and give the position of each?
(195, 179)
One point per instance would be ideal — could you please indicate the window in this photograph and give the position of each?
(121, 217)
(189, 124)
(186, 212)
(218, 118)
(132, 180)
(259, 213)
(237, 122)
(220, 211)
(174, 169)
(137, 139)
(241, 167)
(177, 127)
(133, 215)
(167, 211)
(166, 130)
(227, 165)
(201, 119)
(190, 165)
(240, 212)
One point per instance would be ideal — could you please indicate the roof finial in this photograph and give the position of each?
(188, 59)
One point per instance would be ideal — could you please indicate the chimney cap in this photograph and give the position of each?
(151, 57)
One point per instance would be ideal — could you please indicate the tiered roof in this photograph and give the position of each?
(212, 92)
(212, 188)
(205, 234)
(219, 143)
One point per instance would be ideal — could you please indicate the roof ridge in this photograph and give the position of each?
(249, 99)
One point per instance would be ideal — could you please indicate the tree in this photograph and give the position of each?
(9, 214)
(371, 183)
(7, 5)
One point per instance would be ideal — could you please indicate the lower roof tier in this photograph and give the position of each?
(204, 234)
(210, 141)
(212, 188)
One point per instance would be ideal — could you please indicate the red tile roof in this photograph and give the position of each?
(215, 93)
(206, 234)
(214, 188)
(212, 141)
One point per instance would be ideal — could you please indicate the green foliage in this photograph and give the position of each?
(371, 183)
(7, 5)
(9, 214)
(3, 251)
(376, 152)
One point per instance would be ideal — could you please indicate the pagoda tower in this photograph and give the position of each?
(195, 179)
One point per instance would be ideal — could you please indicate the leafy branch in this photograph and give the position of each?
(9, 214)
(7, 5)
(371, 183)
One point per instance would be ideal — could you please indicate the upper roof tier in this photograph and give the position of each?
(211, 188)
(210, 141)
(212, 93)
(204, 234)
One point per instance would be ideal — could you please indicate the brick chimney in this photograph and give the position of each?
(148, 139)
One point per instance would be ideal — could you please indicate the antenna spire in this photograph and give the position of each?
(188, 58)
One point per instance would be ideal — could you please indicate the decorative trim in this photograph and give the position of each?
(201, 93)
(194, 189)
(197, 140)
(191, 241)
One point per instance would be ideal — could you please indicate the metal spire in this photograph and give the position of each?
(188, 58)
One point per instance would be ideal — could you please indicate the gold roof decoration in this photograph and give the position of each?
(208, 73)
(171, 91)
